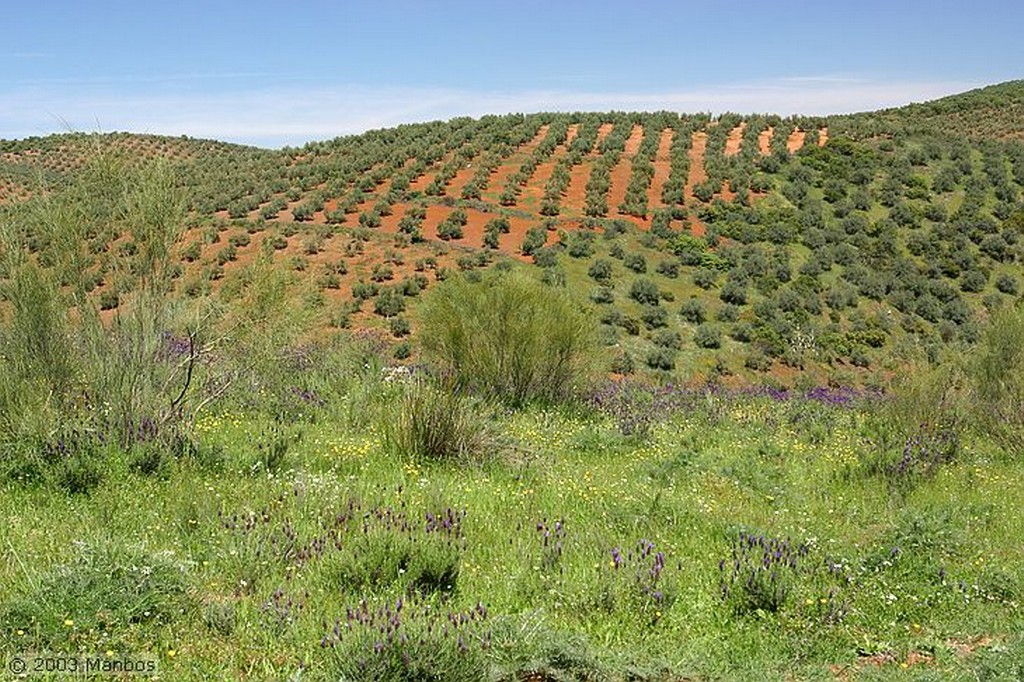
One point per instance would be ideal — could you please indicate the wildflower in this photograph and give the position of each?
(171, 653)
(68, 622)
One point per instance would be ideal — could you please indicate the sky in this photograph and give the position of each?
(274, 73)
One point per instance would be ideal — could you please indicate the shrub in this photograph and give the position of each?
(654, 316)
(761, 573)
(707, 336)
(402, 351)
(734, 293)
(668, 339)
(669, 268)
(389, 303)
(635, 262)
(534, 240)
(437, 423)
(644, 291)
(399, 326)
(545, 257)
(601, 270)
(1007, 284)
(693, 311)
(107, 587)
(661, 358)
(997, 376)
(509, 337)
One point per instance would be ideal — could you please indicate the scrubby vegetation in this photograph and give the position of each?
(427, 403)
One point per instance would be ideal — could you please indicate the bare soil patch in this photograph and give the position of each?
(698, 174)
(795, 141)
(571, 132)
(462, 176)
(534, 189)
(662, 168)
(623, 169)
(764, 141)
(823, 137)
(735, 139)
(576, 192)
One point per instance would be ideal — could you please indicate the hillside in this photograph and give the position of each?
(627, 397)
(739, 248)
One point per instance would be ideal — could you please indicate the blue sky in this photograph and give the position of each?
(276, 73)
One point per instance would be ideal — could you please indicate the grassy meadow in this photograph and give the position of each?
(581, 553)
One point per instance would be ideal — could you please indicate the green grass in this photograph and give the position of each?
(229, 598)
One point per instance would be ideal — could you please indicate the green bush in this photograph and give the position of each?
(661, 358)
(693, 311)
(435, 423)
(508, 337)
(644, 291)
(654, 316)
(997, 376)
(707, 336)
(635, 262)
(389, 303)
(601, 271)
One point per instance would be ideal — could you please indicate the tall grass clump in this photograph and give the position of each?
(920, 427)
(126, 380)
(508, 337)
(106, 587)
(437, 423)
(997, 377)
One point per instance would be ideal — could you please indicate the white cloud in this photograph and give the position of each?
(296, 114)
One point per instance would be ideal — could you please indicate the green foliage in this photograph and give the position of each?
(107, 587)
(389, 303)
(438, 424)
(644, 291)
(508, 337)
(707, 336)
(635, 262)
(997, 376)
(534, 240)
(600, 270)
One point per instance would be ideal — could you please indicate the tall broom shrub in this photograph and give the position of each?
(509, 337)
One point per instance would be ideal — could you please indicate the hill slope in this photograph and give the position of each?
(736, 246)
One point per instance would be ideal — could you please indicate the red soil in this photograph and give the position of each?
(473, 230)
(735, 139)
(571, 132)
(510, 165)
(576, 192)
(662, 167)
(602, 132)
(823, 137)
(697, 175)
(636, 136)
(764, 141)
(622, 170)
(435, 214)
(534, 189)
(389, 223)
(462, 176)
(795, 141)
